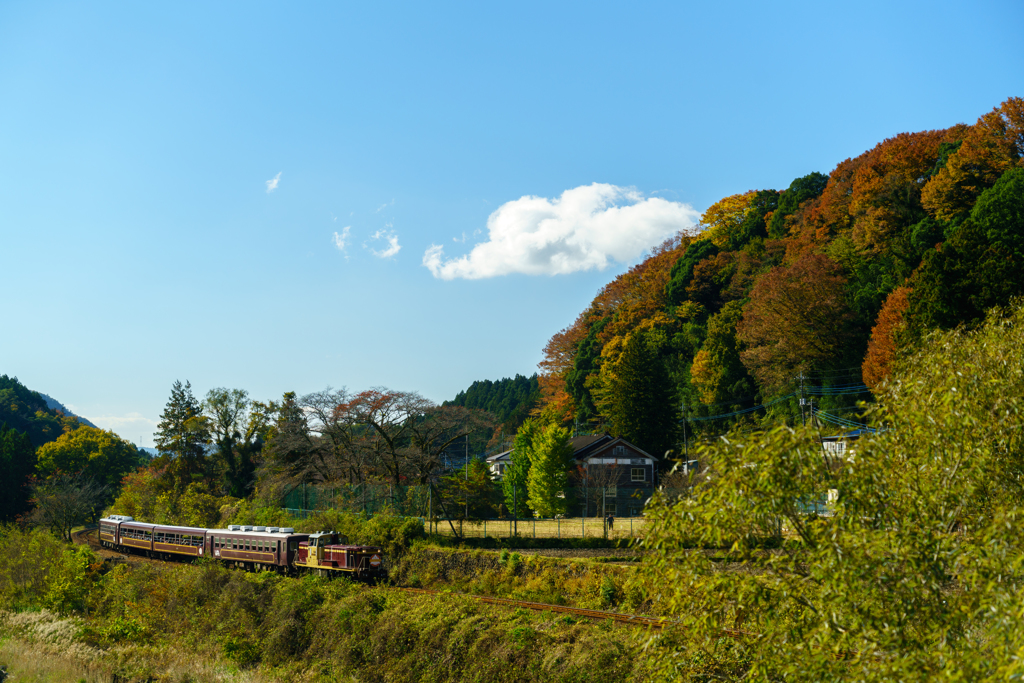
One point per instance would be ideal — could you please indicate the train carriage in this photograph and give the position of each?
(110, 530)
(255, 547)
(179, 541)
(136, 535)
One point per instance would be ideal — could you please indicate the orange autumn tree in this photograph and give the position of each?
(882, 346)
(990, 148)
(796, 318)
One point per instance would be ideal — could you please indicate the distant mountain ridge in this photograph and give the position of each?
(54, 404)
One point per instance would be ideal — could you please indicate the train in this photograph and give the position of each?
(253, 548)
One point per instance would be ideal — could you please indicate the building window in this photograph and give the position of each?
(634, 511)
(609, 508)
(620, 451)
(637, 474)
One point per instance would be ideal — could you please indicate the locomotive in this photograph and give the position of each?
(253, 548)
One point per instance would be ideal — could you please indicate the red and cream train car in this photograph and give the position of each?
(327, 552)
(254, 548)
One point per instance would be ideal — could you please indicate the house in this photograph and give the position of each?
(612, 475)
(498, 462)
(843, 445)
(615, 476)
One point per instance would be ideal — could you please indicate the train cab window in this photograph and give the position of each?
(293, 546)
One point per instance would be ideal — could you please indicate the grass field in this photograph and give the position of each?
(576, 527)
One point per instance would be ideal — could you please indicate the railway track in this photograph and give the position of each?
(595, 614)
(89, 537)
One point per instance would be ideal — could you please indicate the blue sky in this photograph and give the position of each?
(143, 238)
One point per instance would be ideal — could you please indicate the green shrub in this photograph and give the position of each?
(607, 591)
(242, 651)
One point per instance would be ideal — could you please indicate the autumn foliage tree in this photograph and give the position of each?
(796, 319)
(878, 363)
(932, 215)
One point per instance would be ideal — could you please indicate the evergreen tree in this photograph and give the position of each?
(642, 405)
(513, 482)
(183, 434)
(548, 480)
(17, 461)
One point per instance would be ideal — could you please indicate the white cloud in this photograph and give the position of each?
(341, 240)
(272, 183)
(391, 238)
(587, 227)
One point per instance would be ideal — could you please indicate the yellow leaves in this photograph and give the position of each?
(705, 374)
(724, 216)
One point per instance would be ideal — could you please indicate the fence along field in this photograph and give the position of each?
(575, 527)
(414, 501)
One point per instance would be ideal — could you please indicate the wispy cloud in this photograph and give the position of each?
(384, 206)
(389, 236)
(341, 240)
(586, 228)
(272, 183)
(133, 426)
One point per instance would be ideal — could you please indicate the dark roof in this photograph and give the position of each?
(585, 446)
(499, 456)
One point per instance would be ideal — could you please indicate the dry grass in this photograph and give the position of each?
(42, 646)
(576, 527)
(31, 662)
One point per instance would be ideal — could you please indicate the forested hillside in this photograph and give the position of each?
(509, 400)
(808, 291)
(27, 411)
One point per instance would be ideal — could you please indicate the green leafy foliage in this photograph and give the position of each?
(799, 191)
(517, 473)
(979, 266)
(17, 462)
(917, 572)
(548, 481)
(642, 405)
(26, 410)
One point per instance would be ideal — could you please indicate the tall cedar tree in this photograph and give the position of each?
(513, 482)
(643, 407)
(182, 435)
(17, 461)
(548, 481)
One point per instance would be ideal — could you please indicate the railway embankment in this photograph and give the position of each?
(148, 621)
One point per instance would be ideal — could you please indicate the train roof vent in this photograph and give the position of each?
(272, 529)
(287, 530)
(234, 527)
(246, 527)
(259, 528)
(127, 518)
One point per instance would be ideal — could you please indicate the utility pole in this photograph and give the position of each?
(467, 476)
(686, 443)
(515, 509)
(803, 418)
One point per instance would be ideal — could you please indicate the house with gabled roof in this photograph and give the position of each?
(612, 475)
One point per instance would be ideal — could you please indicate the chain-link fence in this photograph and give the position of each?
(575, 527)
